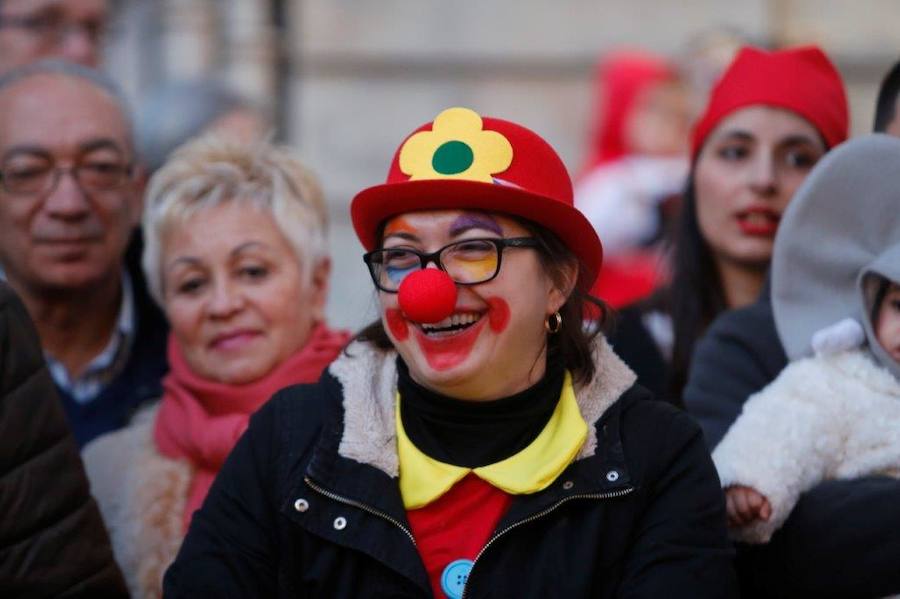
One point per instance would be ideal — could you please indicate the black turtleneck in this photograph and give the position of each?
(477, 433)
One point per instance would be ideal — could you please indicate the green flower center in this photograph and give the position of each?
(452, 157)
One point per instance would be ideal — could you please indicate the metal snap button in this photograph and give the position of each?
(568, 485)
(340, 523)
(612, 476)
(301, 505)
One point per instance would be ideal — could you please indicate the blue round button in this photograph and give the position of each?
(454, 578)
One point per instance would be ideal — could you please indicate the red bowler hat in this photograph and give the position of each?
(464, 161)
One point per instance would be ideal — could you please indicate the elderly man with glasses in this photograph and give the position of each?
(32, 30)
(69, 199)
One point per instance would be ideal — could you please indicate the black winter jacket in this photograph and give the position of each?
(738, 356)
(842, 538)
(308, 504)
(52, 540)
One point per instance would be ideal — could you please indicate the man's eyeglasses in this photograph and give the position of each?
(42, 178)
(468, 262)
(52, 27)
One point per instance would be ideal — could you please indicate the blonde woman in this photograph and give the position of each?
(236, 256)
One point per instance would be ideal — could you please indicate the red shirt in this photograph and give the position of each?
(456, 526)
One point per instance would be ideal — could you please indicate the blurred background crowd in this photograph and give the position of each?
(334, 78)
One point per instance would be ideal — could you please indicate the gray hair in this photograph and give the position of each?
(211, 171)
(171, 115)
(56, 66)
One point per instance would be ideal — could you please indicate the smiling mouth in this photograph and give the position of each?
(451, 325)
(233, 340)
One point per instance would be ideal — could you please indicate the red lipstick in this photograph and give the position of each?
(759, 222)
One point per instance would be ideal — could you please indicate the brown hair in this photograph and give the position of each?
(575, 337)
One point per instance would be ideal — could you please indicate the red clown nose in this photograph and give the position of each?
(427, 296)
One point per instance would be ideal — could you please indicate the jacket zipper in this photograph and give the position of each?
(362, 506)
(533, 517)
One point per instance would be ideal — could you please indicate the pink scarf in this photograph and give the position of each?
(201, 420)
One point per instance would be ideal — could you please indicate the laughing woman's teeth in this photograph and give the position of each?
(450, 325)
(460, 319)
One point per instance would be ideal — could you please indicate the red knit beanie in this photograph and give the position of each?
(801, 80)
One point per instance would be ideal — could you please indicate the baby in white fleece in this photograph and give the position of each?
(829, 416)
(834, 411)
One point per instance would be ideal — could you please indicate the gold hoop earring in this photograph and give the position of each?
(556, 319)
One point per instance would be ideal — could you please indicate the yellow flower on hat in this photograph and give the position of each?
(456, 148)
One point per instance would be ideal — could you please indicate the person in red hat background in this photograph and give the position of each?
(635, 171)
(769, 119)
(476, 440)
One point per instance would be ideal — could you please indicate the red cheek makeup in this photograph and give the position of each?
(498, 315)
(397, 324)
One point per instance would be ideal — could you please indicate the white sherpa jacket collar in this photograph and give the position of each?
(369, 379)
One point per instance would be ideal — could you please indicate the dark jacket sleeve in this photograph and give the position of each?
(681, 547)
(841, 540)
(738, 356)
(52, 538)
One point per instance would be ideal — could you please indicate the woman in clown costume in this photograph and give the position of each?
(475, 441)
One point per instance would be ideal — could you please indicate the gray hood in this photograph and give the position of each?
(843, 221)
(884, 267)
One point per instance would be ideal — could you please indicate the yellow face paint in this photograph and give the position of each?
(477, 270)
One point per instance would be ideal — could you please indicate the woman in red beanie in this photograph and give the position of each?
(770, 118)
(475, 441)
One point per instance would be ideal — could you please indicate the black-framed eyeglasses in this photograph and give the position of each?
(40, 178)
(468, 262)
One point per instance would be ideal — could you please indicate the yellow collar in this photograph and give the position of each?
(424, 479)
